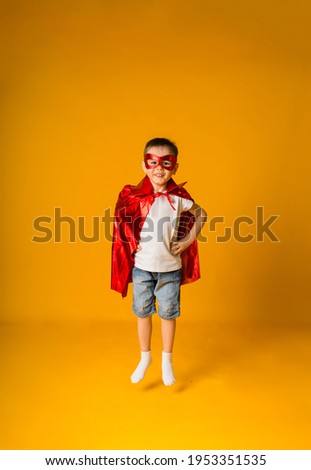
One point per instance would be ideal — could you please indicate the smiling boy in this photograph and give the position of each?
(156, 225)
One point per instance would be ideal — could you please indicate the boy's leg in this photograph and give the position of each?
(168, 335)
(168, 294)
(143, 307)
(144, 327)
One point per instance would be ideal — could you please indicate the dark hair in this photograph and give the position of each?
(161, 142)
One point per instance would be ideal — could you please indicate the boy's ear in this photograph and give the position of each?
(143, 166)
(175, 169)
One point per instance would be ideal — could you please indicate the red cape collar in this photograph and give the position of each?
(144, 188)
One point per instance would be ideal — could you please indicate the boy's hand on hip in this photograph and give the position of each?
(180, 246)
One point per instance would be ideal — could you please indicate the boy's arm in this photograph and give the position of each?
(200, 219)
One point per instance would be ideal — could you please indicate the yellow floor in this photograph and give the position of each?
(238, 387)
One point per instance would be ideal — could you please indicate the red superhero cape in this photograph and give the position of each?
(132, 208)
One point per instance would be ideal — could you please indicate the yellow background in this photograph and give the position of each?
(84, 84)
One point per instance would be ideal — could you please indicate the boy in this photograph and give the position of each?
(155, 246)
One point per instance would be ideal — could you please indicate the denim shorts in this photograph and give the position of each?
(147, 286)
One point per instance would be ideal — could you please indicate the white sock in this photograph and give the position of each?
(143, 365)
(167, 369)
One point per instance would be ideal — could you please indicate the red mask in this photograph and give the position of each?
(167, 162)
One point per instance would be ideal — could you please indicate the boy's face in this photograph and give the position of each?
(159, 175)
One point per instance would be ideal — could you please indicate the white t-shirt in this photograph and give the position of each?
(159, 230)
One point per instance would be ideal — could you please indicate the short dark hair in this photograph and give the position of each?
(161, 142)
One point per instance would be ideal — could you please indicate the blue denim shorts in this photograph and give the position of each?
(147, 286)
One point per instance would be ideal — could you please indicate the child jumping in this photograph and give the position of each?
(154, 246)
